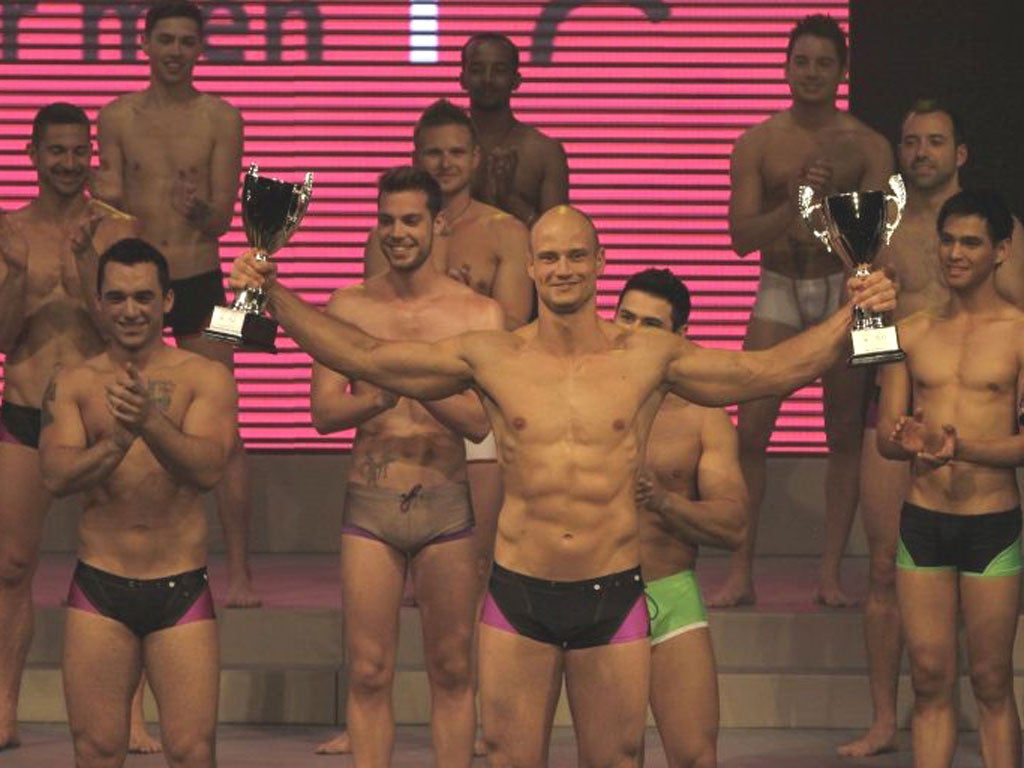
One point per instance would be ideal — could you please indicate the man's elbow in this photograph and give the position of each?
(742, 244)
(56, 484)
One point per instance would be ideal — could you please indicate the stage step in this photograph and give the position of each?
(783, 664)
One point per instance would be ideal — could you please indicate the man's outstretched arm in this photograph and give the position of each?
(425, 371)
(720, 377)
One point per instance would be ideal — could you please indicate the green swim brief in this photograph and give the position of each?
(675, 606)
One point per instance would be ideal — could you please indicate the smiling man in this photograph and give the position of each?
(960, 525)
(45, 323)
(571, 399)
(407, 511)
(171, 156)
(812, 142)
(142, 429)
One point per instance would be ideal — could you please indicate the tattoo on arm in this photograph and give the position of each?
(161, 392)
(48, 399)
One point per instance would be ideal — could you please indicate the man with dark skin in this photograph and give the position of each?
(522, 171)
(571, 399)
(690, 492)
(171, 155)
(931, 151)
(142, 429)
(45, 324)
(951, 410)
(813, 143)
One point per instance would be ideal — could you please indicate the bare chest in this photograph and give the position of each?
(787, 154)
(470, 251)
(168, 396)
(52, 276)
(406, 321)
(965, 359)
(166, 143)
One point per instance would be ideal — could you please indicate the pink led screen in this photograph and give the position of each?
(647, 97)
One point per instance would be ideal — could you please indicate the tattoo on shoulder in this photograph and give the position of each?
(48, 398)
(161, 392)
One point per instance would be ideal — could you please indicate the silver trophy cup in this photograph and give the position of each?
(855, 226)
(271, 212)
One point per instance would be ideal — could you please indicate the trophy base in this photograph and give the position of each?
(248, 332)
(873, 346)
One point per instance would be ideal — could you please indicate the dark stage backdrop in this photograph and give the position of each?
(967, 53)
(648, 97)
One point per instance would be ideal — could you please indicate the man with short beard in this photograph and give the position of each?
(407, 508)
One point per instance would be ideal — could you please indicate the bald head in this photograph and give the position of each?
(563, 223)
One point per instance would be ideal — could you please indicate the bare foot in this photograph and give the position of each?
(241, 594)
(876, 741)
(9, 737)
(140, 742)
(734, 593)
(339, 745)
(832, 596)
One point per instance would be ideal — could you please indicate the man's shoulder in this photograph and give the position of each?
(497, 222)
(185, 365)
(121, 107)
(219, 107)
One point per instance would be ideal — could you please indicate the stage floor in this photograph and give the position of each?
(47, 746)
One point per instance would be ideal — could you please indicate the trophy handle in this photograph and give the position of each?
(899, 200)
(300, 201)
(810, 209)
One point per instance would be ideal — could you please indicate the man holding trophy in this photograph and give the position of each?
(811, 143)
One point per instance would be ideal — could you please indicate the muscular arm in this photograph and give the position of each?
(68, 463)
(718, 517)
(196, 453)
(513, 288)
(13, 288)
(878, 163)
(750, 227)
(554, 189)
(420, 370)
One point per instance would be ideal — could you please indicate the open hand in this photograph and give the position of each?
(128, 399)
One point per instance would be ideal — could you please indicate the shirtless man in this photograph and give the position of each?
(486, 249)
(962, 381)
(931, 150)
(172, 156)
(571, 399)
(407, 506)
(45, 323)
(690, 492)
(812, 143)
(522, 171)
(143, 429)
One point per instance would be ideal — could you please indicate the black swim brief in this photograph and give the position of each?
(20, 424)
(142, 605)
(194, 300)
(977, 545)
(570, 614)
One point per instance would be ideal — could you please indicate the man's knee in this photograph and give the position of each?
(189, 751)
(18, 562)
(93, 751)
(933, 677)
(992, 683)
(449, 668)
(370, 674)
(699, 754)
(882, 569)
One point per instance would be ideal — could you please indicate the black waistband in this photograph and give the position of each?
(629, 576)
(915, 509)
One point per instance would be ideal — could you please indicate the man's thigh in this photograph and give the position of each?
(372, 578)
(608, 693)
(23, 504)
(445, 580)
(520, 682)
(844, 391)
(101, 667)
(928, 602)
(183, 669)
(684, 694)
(991, 607)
